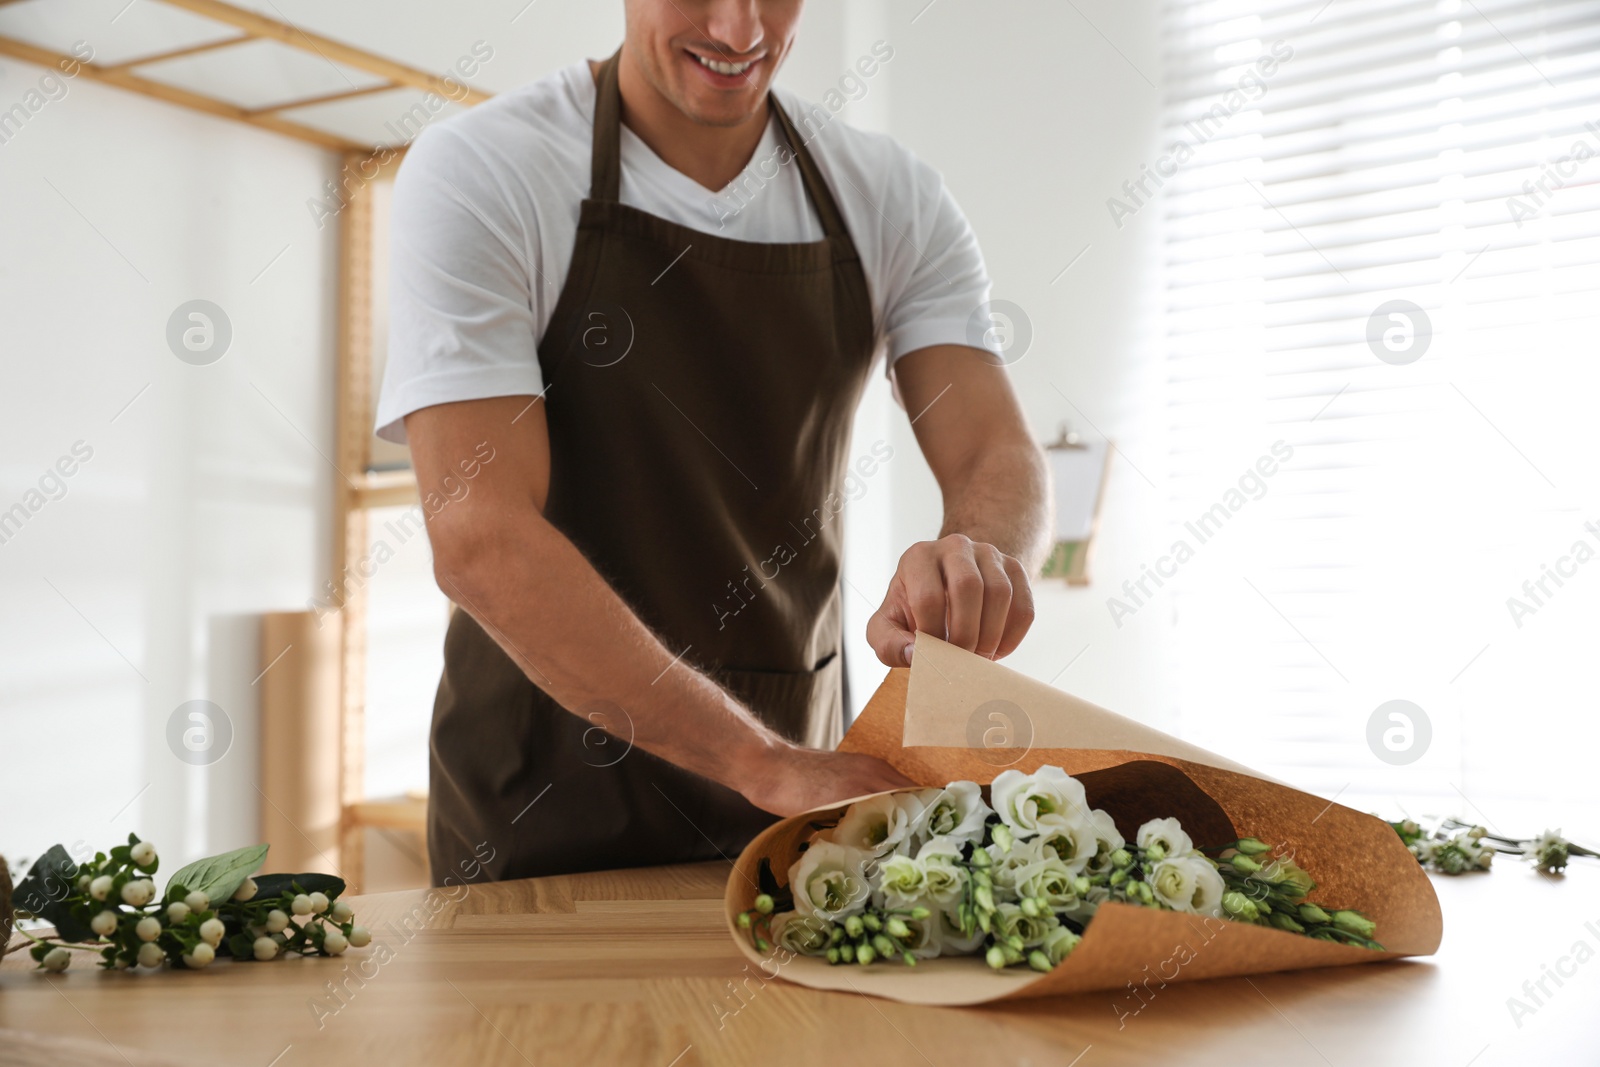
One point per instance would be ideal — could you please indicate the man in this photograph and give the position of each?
(638, 403)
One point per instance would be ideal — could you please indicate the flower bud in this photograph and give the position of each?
(1283, 921)
(1000, 833)
(1039, 961)
(301, 905)
(56, 960)
(1155, 853)
(148, 928)
(847, 952)
(995, 957)
(762, 944)
(1355, 923)
(264, 948)
(247, 891)
(897, 928)
(1080, 885)
(1251, 846)
(100, 888)
(872, 922)
(143, 855)
(853, 926)
(835, 935)
(1235, 903)
(865, 955)
(104, 923)
(1244, 864)
(199, 956)
(743, 920)
(198, 901)
(1312, 914)
(1121, 858)
(983, 897)
(833, 954)
(150, 954)
(884, 947)
(919, 913)
(360, 937)
(1029, 907)
(980, 858)
(177, 912)
(908, 959)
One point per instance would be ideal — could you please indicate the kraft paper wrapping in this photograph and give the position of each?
(954, 715)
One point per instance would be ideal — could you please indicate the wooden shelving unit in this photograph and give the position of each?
(361, 488)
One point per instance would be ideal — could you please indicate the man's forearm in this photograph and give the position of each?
(1002, 498)
(541, 600)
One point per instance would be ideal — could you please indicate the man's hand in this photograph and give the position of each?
(791, 779)
(963, 591)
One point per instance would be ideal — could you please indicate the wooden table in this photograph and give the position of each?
(635, 967)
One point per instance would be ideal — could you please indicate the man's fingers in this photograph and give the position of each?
(892, 642)
(996, 599)
(924, 587)
(1020, 616)
(963, 591)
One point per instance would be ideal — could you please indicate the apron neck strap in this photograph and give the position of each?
(605, 165)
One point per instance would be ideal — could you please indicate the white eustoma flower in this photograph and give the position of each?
(943, 880)
(924, 943)
(829, 880)
(1007, 866)
(1030, 803)
(1188, 883)
(957, 811)
(878, 824)
(1168, 833)
(1107, 841)
(901, 880)
(802, 935)
(1074, 844)
(1208, 887)
(946, 933)
(1050, 879)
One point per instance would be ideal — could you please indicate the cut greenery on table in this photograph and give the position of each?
(214, 907)
(1015, 878)
(1455, 846)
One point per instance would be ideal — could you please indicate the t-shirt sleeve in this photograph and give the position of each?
(461, 320)
(934, 278)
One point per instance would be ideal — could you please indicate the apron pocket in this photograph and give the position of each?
(804, 706)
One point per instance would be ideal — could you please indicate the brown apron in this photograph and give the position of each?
(700, 398)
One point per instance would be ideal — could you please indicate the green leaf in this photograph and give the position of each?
(239, 946)
(269, 886)
(220, 876)
(44, 892)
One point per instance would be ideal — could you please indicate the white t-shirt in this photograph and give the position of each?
(485, 218)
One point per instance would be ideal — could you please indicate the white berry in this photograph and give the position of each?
(177, 912)
(148, 928)
(150, 954)
(334, 942)
(57, 959)
(201, 956)
(198, 901)
(301, 905)
(277, 921)
(319, 902)
(143, 854)
(100, 888)
(138, 892)
(104, 923)
(265, 948)
(246, 890)
(340, 912)
(360, 936)
(211, 931)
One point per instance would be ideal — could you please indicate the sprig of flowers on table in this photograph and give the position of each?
(109, 906)
(1455, 846)
(1015, 878)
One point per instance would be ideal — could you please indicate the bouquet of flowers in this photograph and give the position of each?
(1455, 846)
(214, 907)
(1015, 878)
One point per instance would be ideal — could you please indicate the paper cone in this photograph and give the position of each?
(954, 715)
